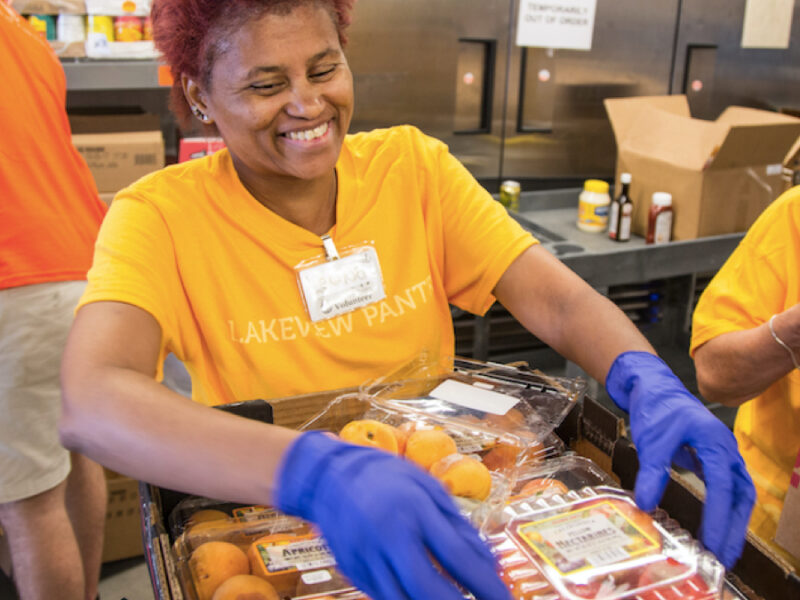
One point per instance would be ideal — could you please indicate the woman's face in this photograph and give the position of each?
(281, 95)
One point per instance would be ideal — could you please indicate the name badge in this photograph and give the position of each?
(342, 285)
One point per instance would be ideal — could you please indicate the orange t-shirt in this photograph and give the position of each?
(49, 208)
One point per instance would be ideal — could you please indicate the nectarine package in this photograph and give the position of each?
(520, 401)
(475, 462)
(227, 551)
(597, 544)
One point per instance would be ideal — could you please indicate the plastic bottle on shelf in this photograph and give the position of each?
(619, 218)
(659, 219)
(593, 204)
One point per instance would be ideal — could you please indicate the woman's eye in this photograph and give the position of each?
(265, 87)
(322, 73)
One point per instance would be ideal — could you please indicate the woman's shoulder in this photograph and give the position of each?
(778, 226)
(402, 137)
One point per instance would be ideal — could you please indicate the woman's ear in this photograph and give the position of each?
(194, 96)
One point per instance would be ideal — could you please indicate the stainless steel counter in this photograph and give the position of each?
(551, 217)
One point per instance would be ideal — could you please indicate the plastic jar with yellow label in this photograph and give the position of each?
(593, 204)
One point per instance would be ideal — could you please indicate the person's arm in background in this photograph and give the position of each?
(562, 310)
(115, 412)
(739, 365)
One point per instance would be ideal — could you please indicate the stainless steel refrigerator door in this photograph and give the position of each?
(439, 65)
(557, 128)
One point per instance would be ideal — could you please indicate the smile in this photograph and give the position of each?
(308, 134)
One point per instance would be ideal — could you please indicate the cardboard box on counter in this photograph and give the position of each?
(119, 149)
(721, 173)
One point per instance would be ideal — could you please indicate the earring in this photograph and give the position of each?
(200, 114)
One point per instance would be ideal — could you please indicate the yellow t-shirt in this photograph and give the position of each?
(759, 279)
(216, 269)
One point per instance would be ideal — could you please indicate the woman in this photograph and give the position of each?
(222, 261)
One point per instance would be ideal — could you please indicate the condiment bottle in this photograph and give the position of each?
(659, 219)
(619, 218)
(593, 205)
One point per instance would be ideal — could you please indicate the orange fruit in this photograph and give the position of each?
(428, 446)
(245, 587)
(510, 421)
(207, 514)
(463, 476)
(502, 457)
(543, 486)
(366, 432)
(214, 562)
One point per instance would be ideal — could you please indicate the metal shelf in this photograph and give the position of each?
(92, 74)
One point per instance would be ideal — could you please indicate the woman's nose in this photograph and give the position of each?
(305, 101)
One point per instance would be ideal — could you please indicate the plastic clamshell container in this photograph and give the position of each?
(559, 475)
(500, 452)
(525, 403)
(589, 544)
(285, 551)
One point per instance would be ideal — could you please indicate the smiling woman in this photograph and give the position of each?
(301, 259)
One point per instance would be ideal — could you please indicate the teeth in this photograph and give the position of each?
(308, 134)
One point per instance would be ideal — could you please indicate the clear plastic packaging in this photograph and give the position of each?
(509, 399)
(219, 541)
(559, 475)
(595, 543)
(476, 462)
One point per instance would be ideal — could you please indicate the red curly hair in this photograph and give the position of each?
(188, 34)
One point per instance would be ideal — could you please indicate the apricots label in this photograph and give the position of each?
(589, 537)
(302, 555)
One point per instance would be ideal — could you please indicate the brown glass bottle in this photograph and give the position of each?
(619, 218)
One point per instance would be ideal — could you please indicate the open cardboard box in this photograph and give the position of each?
(722, 174)
(590, 429)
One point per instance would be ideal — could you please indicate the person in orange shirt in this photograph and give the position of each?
(52, 502)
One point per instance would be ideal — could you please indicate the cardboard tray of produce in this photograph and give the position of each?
(589, 429)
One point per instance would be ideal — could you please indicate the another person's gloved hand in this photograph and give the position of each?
(385, 519)
(666, 420)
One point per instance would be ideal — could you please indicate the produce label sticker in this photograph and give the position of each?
(567, 24)
(305, 555)
(473, 397)
(586, 538)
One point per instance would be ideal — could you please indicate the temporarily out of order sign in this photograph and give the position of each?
(565, 24)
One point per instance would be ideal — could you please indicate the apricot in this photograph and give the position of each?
(539, 488)
(207, 514)
(366, 432)
(245, 587)
(214, 562)
(428, 446)
(463, 476)
(502, 457)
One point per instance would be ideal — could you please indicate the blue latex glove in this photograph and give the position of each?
(667, 421)
(384, 518)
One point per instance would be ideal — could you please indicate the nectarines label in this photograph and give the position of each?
(586, 538)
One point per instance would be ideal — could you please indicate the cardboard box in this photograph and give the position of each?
(590, 429)
(118, 159)
(721, 174)
(122, 536)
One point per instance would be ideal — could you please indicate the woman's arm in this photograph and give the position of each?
(116, 413)
(737, 366)
(562, 310)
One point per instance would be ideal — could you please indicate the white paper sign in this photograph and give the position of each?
(767, 23)
(567, 24)
(473, 397)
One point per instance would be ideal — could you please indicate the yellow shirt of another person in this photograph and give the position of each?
(759, 279)
(216, 269)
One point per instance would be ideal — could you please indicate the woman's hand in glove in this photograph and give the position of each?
(666, 421)
(386, 521)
